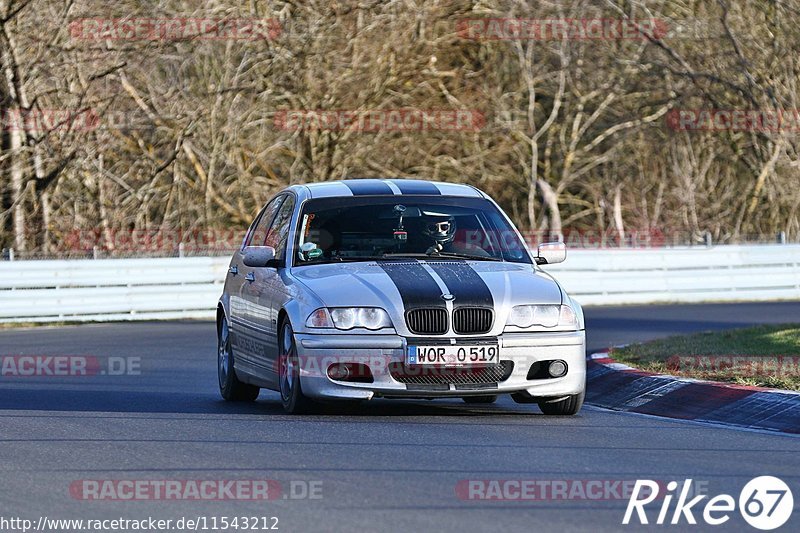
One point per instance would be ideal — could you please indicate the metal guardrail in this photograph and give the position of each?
(173, 288)
(110, 289)
(691, 274)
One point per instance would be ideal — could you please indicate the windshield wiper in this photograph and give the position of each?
(419, 255)
(353, 258)
(466, 256)
(445, 254)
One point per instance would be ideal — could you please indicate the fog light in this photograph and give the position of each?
(339, 372)
(350, 372)
(557, 368)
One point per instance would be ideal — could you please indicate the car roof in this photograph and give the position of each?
(389, 187)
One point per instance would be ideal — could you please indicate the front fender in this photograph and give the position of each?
(297, 315)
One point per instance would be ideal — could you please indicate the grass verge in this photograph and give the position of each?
(765, 356)
(21, 325)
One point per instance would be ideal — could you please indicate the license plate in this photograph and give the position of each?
(453, 355)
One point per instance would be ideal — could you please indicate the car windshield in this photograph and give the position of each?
(375, 228)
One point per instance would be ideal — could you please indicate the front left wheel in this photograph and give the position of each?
(230, 387)
(566, 407)
(292, 397)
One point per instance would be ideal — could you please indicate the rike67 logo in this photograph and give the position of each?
(765, 503)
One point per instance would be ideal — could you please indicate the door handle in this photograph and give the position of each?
(250, 277)
(233, 270)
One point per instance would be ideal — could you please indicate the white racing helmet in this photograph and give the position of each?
(440, 227)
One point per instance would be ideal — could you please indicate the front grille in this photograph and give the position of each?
(423, 375)
(430, 321)
(472, 320)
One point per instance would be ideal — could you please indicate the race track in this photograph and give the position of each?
(387, 465)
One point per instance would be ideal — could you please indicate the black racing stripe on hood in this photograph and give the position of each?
(416, 286)
(464, 283)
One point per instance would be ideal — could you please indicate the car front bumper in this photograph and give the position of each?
(318, 352)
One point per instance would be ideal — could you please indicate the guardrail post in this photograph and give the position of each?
(782, 237)
(10, 254)
(708, 240)
(94, 252)
(180, 249)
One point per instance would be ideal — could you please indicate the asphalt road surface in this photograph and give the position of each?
(387, 465)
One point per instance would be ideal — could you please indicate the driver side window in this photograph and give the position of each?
(258, 235)
(279, 230)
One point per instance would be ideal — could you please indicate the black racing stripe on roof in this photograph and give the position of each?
(416, 187)
(368, 187)
(464, 283)
(415, 284)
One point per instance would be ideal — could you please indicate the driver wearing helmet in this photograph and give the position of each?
(441, 228)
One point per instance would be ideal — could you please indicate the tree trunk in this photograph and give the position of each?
(18, 190)
(532, 206)
(102, 203)
(550, 199)
(619, 225)
(47, 209)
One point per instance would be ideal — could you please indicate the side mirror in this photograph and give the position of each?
(551, 252)
(259, 256)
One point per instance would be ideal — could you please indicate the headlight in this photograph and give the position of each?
(549, 316)
(344, 318)
(350, 317)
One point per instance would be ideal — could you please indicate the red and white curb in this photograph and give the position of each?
(619, 387)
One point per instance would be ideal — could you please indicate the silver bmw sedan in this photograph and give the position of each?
(369, 288)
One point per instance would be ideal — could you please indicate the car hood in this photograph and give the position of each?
(397, 286)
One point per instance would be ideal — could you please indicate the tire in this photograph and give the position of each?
(489, 398)
(523, 397)
(292, 397)
(230, 387)
(567, 407)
